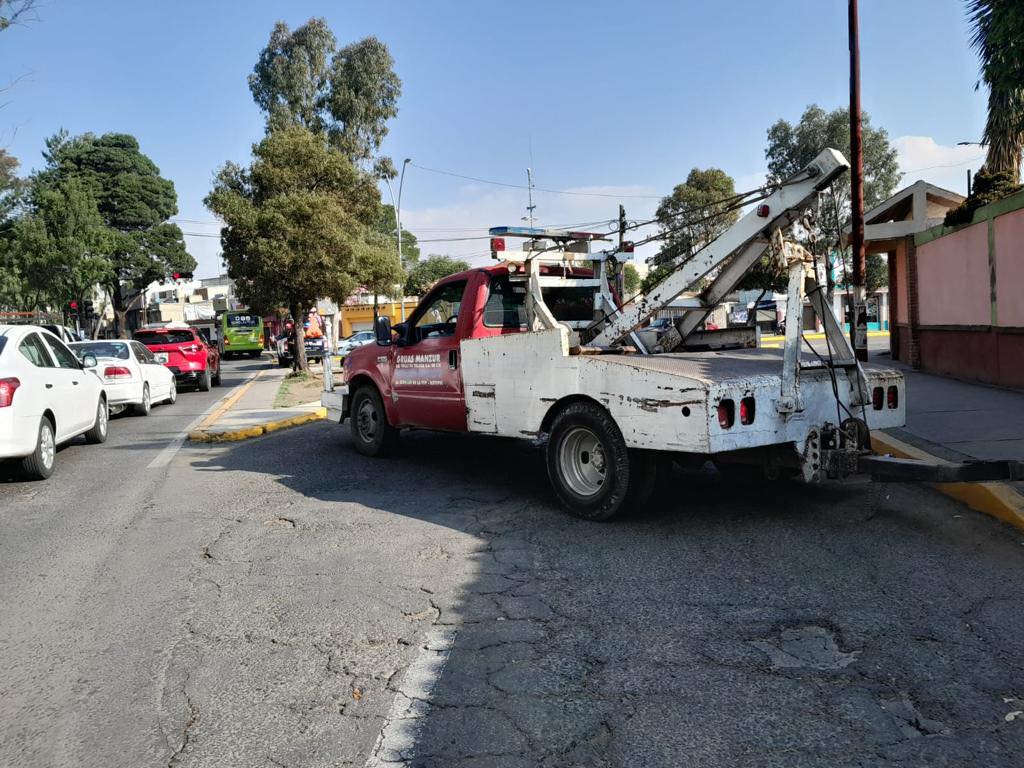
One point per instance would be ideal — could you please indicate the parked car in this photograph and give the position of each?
(185, 353)
(64, 333)
(357, 339)
(131, 374)
(46, 398)
(283, 347)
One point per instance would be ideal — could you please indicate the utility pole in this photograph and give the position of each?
(859, 316)
(620, 269)
(529, 190)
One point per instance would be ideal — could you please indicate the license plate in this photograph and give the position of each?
(161, 357)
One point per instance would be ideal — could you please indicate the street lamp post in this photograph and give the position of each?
(397, 205)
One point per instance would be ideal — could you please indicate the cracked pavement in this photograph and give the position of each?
(283, 602)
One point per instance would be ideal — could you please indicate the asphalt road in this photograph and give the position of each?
(286, 602)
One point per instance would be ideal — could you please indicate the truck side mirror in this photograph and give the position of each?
(382, 328)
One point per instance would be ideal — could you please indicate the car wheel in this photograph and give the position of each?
(39, 465)
(143, 408)
(98, 433)
(371, 432)
(593, 473)
(172, 393)
(204, 382)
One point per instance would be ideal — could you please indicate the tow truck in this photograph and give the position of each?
(541, 347)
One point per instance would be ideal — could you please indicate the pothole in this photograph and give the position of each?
(805, 647)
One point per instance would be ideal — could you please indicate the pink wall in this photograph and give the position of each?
(1010, 268)
(952, 279)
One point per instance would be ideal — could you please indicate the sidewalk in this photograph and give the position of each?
(250, 411)
(958, 421)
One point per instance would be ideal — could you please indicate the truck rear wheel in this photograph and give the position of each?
(593, 473)
(371, 432)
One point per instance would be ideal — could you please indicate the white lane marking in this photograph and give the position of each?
(397, 740)
(167, 453)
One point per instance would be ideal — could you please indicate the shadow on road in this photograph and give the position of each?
(725, 625)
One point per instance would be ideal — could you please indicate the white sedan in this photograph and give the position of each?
(46, 398)
(131, 375)
(357, 339)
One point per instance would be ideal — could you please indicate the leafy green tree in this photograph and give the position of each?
(133, 201)
(694, 214)
(427, 272)
(346, 95)
(630, 279)
(988, 187)
(299, 225)
(997, 31)
(59, 245)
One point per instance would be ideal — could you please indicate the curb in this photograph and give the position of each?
(996, 500)
(257, 430)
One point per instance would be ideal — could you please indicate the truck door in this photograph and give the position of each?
(427, 379)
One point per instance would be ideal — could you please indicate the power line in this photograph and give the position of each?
(537, 189)
(947, 165)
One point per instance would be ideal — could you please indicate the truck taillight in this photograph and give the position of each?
(726, 413)
(7, 389)
(892, 396)
(116, 372)
(748, 410)
(763, 210)
(877, 396)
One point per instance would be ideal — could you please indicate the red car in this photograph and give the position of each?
(185, 353)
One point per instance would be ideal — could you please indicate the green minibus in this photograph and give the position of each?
(242, 332)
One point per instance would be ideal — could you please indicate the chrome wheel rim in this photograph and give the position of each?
(101, 417)
(173, 395)
(47, 448)
(146, 402)
(367, 421)
(582, 461)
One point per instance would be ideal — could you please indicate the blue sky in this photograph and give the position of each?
(599, 97)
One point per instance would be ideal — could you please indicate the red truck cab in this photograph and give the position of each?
(416, 381)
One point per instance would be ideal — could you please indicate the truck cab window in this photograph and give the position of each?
(441, 311)
(506, 304)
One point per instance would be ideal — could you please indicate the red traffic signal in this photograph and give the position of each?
(73, 304)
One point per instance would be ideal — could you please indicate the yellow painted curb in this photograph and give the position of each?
(228, 403)
(996, 500)
(256, 430)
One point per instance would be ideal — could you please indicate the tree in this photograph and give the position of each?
(791, 147)
(695, 214)
(988, 187)
(346, 95)
(299, 225)
(59, 244)
(133, 202)
(630, 279)
(997, 31)
(15, 11)
(425, 273)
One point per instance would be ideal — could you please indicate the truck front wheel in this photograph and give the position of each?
(371, 432)
(592, 471)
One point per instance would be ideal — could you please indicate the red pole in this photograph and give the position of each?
(858, 326)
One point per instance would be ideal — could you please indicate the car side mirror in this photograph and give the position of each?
(88, 360)
(382, 329)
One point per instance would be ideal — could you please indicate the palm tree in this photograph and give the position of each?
(998, 37)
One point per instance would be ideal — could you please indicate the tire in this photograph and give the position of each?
(172, 395)
(594, 475)
(372, 434)
(98, 432)
(39, 465)
(204, 383)
(143, 408)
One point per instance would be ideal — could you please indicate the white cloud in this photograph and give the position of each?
(921, 157)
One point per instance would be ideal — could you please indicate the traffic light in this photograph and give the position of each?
(87, 309)
(73, 308)
(181, 275)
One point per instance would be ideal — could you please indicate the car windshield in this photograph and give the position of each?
(116, 349)
(164, 337)
(242, 321)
